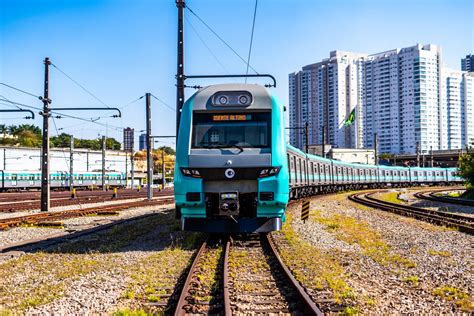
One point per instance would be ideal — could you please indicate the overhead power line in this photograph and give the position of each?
(204, 43)
(20, 90)
(220, 38)
(131, 102)
(164, 103)
(90, 120)
(79, 85)
(251, 39)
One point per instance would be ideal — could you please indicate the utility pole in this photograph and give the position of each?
(431, 158)
(418, 154)
(45, 151)
(180, 64)
(4, 159)
(132, 169)
(376, 156)
(163, 170)
(87, 160)
(324, 142)
(126, 169)
(71, 163)
(103, 162)
(306, 133)
(149, 158)
(45, 181)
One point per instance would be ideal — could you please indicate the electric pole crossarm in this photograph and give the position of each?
(235, 76)
(89, 109)
(163, 136)
(20, 110)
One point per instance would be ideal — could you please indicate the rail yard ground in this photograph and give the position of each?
(372, 261)
(350, 258)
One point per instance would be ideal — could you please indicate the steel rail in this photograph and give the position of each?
(180, 311)
(227, 309)
(310, 305)
(430, 195)
(60, 215)
(462, 223)
(449, 215)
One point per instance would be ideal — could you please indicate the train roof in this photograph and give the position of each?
(261, 98)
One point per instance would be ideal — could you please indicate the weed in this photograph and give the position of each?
(460, 298)
(413, 280)
(439, 253)
(354, 231)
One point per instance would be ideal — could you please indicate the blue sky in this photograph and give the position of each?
(120, 49)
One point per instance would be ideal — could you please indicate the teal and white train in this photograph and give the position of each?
(23, 180)
(235, 173)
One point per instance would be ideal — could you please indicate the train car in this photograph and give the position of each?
(231, 172)
(234, 171)
(24, 180)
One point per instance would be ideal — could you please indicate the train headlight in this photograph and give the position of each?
(269, 172)
(232, 98)
(223, 100)
(188, 172)
(243, 99)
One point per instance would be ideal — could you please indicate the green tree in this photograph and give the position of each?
(28, 138)
(168, 150)
(466, 167)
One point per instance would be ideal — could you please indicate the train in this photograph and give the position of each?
(235, 173)
(29, 180)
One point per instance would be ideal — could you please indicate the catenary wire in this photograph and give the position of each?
(81, 86)
(20, 90)
(130, 103)
(205, 45)
(251, 39)
(164, 103)
(219, 37)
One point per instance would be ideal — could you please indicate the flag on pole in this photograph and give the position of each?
(350, 119)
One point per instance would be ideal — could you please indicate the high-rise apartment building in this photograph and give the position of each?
(403, 96)
(142, 142)
(128, 138)
(467, 64)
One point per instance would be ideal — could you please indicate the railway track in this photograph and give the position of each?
(431, 195)
(29, 202)
(460, 222)
(249, 278)
(54, 218)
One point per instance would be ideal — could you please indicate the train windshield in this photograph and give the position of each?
(225, 130)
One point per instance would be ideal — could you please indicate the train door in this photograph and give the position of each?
(290, 168)
(31, 179)
(14, 179)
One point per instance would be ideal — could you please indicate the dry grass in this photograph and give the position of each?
(391, 197)
(354, 231)
(40, 278)
(313, 267)
(152, 276)
(460, 298)
(439, 253)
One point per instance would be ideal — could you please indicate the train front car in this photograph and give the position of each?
(231, 171)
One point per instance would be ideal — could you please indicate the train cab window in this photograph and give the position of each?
(227, 130)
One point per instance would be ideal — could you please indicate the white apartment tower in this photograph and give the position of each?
(324, 94)
(403, 95)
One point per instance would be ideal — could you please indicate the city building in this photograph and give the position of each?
(467, 64)
(402, 97)
(142, 142)
(128, 139)
(351, 155)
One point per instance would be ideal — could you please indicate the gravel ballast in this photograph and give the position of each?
(392, 263)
